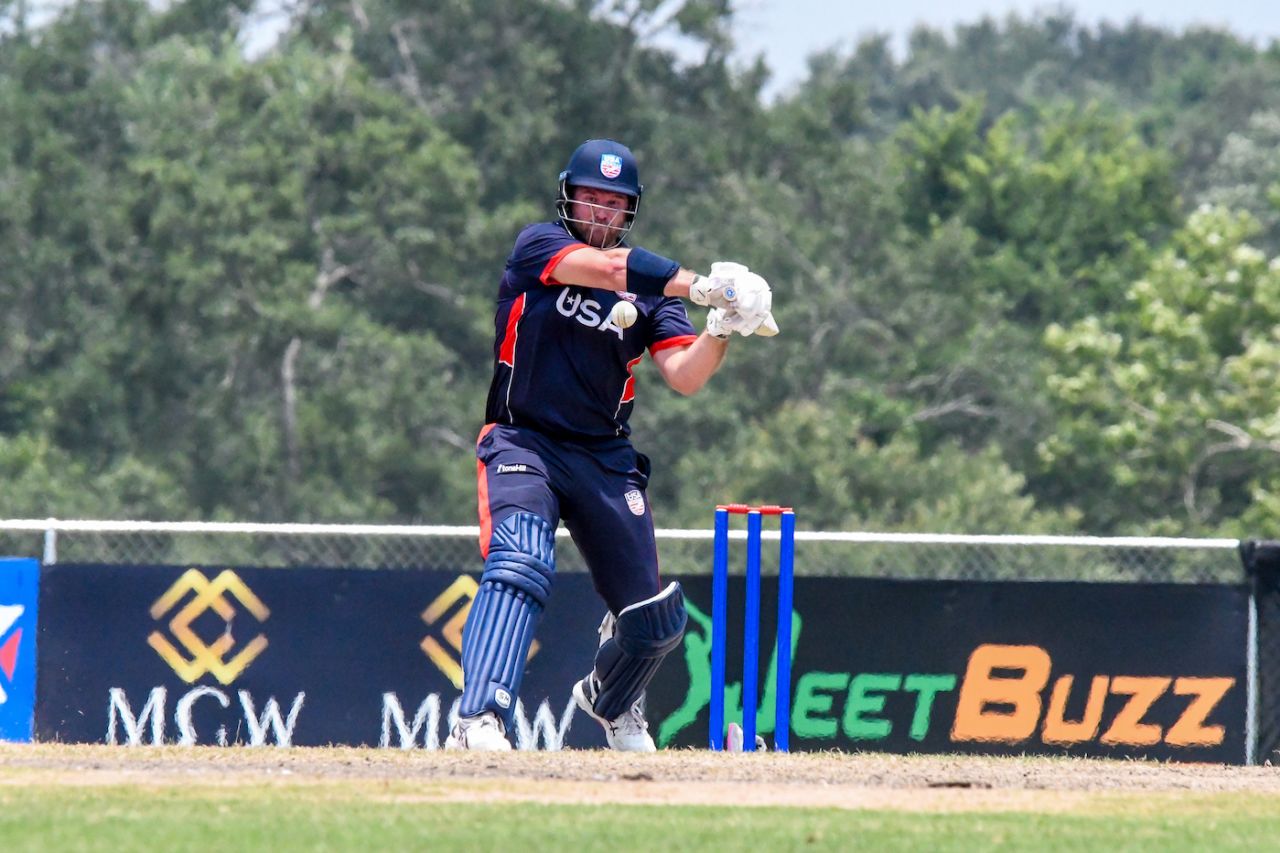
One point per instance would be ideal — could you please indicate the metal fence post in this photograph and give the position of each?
(50, 556)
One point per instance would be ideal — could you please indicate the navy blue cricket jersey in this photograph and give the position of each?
(560, 366)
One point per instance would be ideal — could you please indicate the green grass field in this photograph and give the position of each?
(380, 815)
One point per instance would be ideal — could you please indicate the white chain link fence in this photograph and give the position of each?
(885, 555)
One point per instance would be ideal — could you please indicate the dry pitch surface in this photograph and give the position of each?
(684, 777)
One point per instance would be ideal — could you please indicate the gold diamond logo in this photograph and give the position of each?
(207, 596)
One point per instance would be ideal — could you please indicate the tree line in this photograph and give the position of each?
(1028, 272)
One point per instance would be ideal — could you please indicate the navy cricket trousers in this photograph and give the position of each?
(597, 489)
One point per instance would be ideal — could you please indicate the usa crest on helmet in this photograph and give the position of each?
(610, 165)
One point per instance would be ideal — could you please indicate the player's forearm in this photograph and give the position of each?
(614, 269)
(688, 370)
(679, 283)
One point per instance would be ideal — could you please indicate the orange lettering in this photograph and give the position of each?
(1057, 729)
(981, 688)
(1189, 730)
(1128, 727)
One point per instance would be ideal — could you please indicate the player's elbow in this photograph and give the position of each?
(687, 385)
(605, 270)
(685, 369)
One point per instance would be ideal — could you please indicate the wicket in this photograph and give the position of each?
(751, 624)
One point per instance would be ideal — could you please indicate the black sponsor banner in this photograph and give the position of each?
(150, 654)
(1121, 670)
(147, 654)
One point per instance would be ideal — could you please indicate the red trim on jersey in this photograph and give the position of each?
(668, 343)
(507, 354)
(482, 493)
(629, 389)
(546, 277)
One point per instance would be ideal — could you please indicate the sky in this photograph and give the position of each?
(786, 32)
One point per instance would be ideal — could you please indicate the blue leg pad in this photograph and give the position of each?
(645, 633)
(504, 615)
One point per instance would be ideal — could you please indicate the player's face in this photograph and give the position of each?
(599, 215)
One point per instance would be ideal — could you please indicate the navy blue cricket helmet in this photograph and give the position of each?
(606, 165)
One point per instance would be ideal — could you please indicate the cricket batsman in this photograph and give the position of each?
(577, 308)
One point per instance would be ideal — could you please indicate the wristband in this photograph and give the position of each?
(647, 273)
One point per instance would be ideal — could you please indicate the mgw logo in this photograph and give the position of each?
(206, 595)
(447, 655)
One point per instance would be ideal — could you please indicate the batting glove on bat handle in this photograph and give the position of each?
(719, 289)
(716, 327)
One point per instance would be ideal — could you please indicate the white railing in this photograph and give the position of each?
(933, 555)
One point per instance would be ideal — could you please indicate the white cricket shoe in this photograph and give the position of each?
(484, 733)
(627, 733)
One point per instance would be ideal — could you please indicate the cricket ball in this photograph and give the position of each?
(623, 315)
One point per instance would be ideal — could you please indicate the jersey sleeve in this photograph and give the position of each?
(538, 251)
(671, 326)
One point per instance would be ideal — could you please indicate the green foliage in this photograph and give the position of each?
(1167, 406)
(262, 288)
(276, 250)
(1064, 201)
(817, 459)
(1246, 175)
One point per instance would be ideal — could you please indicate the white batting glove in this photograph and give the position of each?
(716, 324)
(754, 299)
(721, 324)
(719, 288)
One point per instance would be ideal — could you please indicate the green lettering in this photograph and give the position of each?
(866, 697)
(810, 714)
(766, 714)
(697, 657)
(928, 687)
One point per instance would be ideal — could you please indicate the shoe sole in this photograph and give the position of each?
(457, 747)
